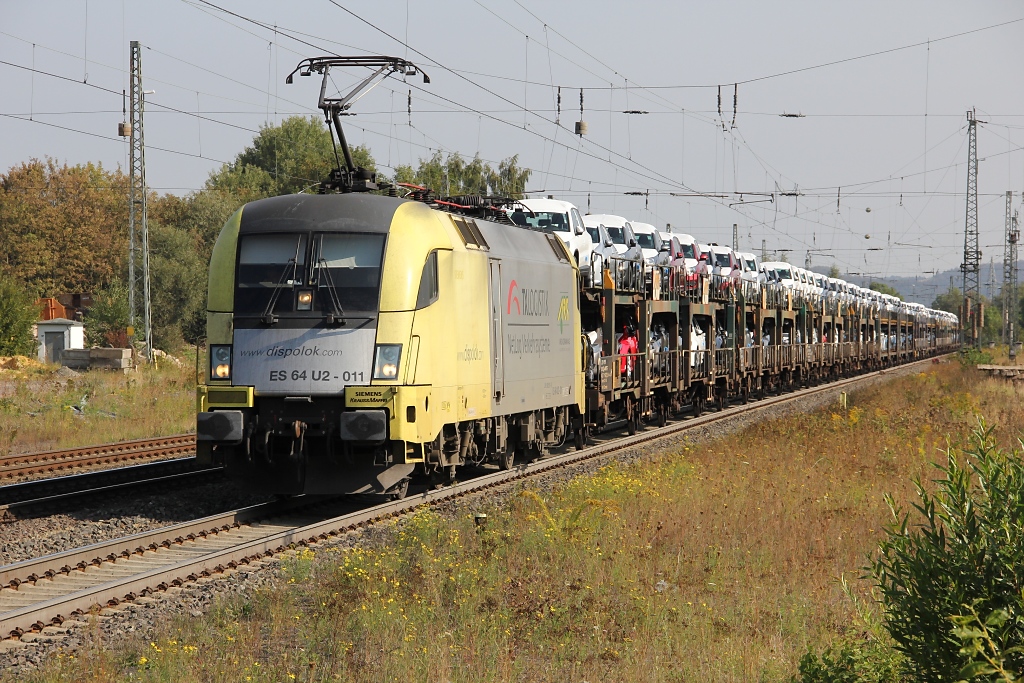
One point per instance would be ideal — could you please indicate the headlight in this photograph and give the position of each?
(304, 300)
(385, 362)
(220, 361)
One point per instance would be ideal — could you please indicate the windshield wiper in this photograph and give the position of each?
(268, 316)
(337, 316)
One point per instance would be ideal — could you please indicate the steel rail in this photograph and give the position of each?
(103, 559)
(52, 492)
(23, 464)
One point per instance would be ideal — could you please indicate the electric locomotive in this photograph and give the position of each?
(355, 337)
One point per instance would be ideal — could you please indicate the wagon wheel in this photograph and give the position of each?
(662, 419)
(630, 416)
(698, 401)
(506, 458)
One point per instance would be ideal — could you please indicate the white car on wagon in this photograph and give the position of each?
(559, 218)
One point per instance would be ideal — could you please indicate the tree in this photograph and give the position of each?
(950, 301)
(63, 228)
(833, 271)
(454, 176)
(201, 214)
(885, 289)
(290, 157)
(106, 321)
(18, 313)
(178, 279)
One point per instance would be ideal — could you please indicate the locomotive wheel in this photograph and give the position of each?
(579, 439)
(399, 490)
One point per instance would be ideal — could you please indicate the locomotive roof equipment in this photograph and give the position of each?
(351, 178)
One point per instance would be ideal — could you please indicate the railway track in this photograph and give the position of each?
(46, 495)
(14, 467)
(44, 591)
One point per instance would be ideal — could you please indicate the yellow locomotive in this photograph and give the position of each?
(356, 337)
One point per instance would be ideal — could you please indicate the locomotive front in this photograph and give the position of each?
(294, 320)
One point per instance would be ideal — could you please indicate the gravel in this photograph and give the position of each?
(35, 537)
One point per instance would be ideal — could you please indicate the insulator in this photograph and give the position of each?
(581, 128)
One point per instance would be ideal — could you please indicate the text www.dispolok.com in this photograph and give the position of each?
(291, 352)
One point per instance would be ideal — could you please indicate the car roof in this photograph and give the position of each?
(606, 219)
(645, 228)
(553, 205)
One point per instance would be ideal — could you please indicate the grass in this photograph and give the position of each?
(713, 561)
(41, 409)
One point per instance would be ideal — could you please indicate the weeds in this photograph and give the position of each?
(42, 409)
(710, 561)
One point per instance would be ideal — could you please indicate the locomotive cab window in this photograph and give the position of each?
(428, 282)
(267, 263)
(349, 265)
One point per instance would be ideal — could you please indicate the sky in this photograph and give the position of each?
(868, 170)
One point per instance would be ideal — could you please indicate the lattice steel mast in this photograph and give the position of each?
(1007, 264)
(139, 301)
(971, 266)
(1013, 238)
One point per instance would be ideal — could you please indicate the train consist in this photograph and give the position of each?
(357, 340)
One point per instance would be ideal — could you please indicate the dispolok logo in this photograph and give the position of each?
(563, 312)
(470, 353)
(512, 297)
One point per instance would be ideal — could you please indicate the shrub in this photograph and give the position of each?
(106, 322)
(861, 661)
(963, 558)
(18, 313)
(970, 356)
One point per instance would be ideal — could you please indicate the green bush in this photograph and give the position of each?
(861, 661)
(18, 313)
(106, 322)
(970, 356)
(961, 557)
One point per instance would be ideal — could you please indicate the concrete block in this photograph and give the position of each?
(110, 354)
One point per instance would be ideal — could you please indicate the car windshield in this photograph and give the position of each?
(646, 240)
(617, 235)
(595, 235)
(722, 260)
(784, 273)
(751, 265)
(545, 221)
(688, 251)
